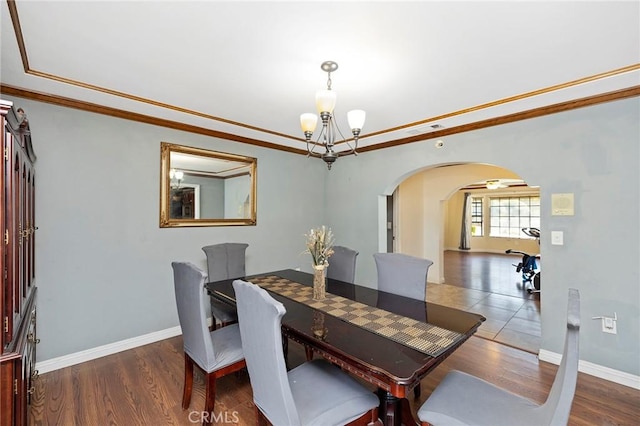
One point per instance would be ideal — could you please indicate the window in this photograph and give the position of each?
(510, 214)
(476, 217)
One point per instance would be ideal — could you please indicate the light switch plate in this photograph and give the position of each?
(557, 238)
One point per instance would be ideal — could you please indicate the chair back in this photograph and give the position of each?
(191, 300)
(402, 274)
(342, 264)
(557, 407)
(225, 260)
(259, 317)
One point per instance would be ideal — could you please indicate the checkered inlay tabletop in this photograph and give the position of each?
(426, 338)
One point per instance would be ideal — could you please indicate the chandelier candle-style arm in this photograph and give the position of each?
(325, 104)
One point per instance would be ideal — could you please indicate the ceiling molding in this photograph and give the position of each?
(142, 118)
(127, 115)
(23, 53)
(17, 28)
(13, 11)
(524, 115)
(510, 99)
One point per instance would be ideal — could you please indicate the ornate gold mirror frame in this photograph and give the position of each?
(199, 187)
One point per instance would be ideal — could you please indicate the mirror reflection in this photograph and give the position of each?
(206, 188)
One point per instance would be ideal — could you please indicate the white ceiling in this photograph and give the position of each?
(251, 68)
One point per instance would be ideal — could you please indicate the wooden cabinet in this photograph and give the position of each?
(17, 266)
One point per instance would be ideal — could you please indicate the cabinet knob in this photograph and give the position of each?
(32, 338)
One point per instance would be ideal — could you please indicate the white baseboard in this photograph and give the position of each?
(596, 370)
(104, 350)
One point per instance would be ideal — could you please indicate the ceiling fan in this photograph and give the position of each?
(494, 184)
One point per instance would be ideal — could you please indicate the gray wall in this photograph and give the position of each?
(591, 152)
(211, 196)
(236, 193)
(103, 264)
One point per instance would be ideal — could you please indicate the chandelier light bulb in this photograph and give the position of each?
(308, 122)
(325, 101)
(356, 119)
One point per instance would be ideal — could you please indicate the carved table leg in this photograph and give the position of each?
(395, 411)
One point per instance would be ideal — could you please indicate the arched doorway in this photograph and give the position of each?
(428, 209)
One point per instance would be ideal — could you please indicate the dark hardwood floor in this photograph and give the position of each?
(143, 386)
(489, 272)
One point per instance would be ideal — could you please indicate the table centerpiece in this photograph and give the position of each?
(320, 247)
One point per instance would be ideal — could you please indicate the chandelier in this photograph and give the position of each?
(325, 103)
(175, 176)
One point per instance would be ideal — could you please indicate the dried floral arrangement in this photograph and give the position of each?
(320, 245)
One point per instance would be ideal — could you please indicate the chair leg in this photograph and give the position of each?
(210, 397)
(188, 381)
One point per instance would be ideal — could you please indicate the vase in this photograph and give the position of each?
(319, 281)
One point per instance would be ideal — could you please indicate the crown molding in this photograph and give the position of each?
(629, 92)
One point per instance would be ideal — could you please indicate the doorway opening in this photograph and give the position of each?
(472, 270)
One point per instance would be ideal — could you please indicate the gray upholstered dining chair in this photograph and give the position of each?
(217, 353)
(224, 261)
(462, 399)
(314, 393)
(402, 274)
(342, 264)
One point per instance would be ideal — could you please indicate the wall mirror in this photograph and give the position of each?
(199, 187)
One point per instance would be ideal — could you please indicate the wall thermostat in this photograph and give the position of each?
(562, 205)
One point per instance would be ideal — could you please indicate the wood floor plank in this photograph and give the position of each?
(143, 386)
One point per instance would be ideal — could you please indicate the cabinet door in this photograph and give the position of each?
(31, 225)
(15, 230)
(4, 309)
(7, 410)
(11, 285)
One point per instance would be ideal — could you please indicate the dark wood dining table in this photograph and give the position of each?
(393, 367)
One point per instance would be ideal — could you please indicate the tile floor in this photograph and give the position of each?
(512, 319)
